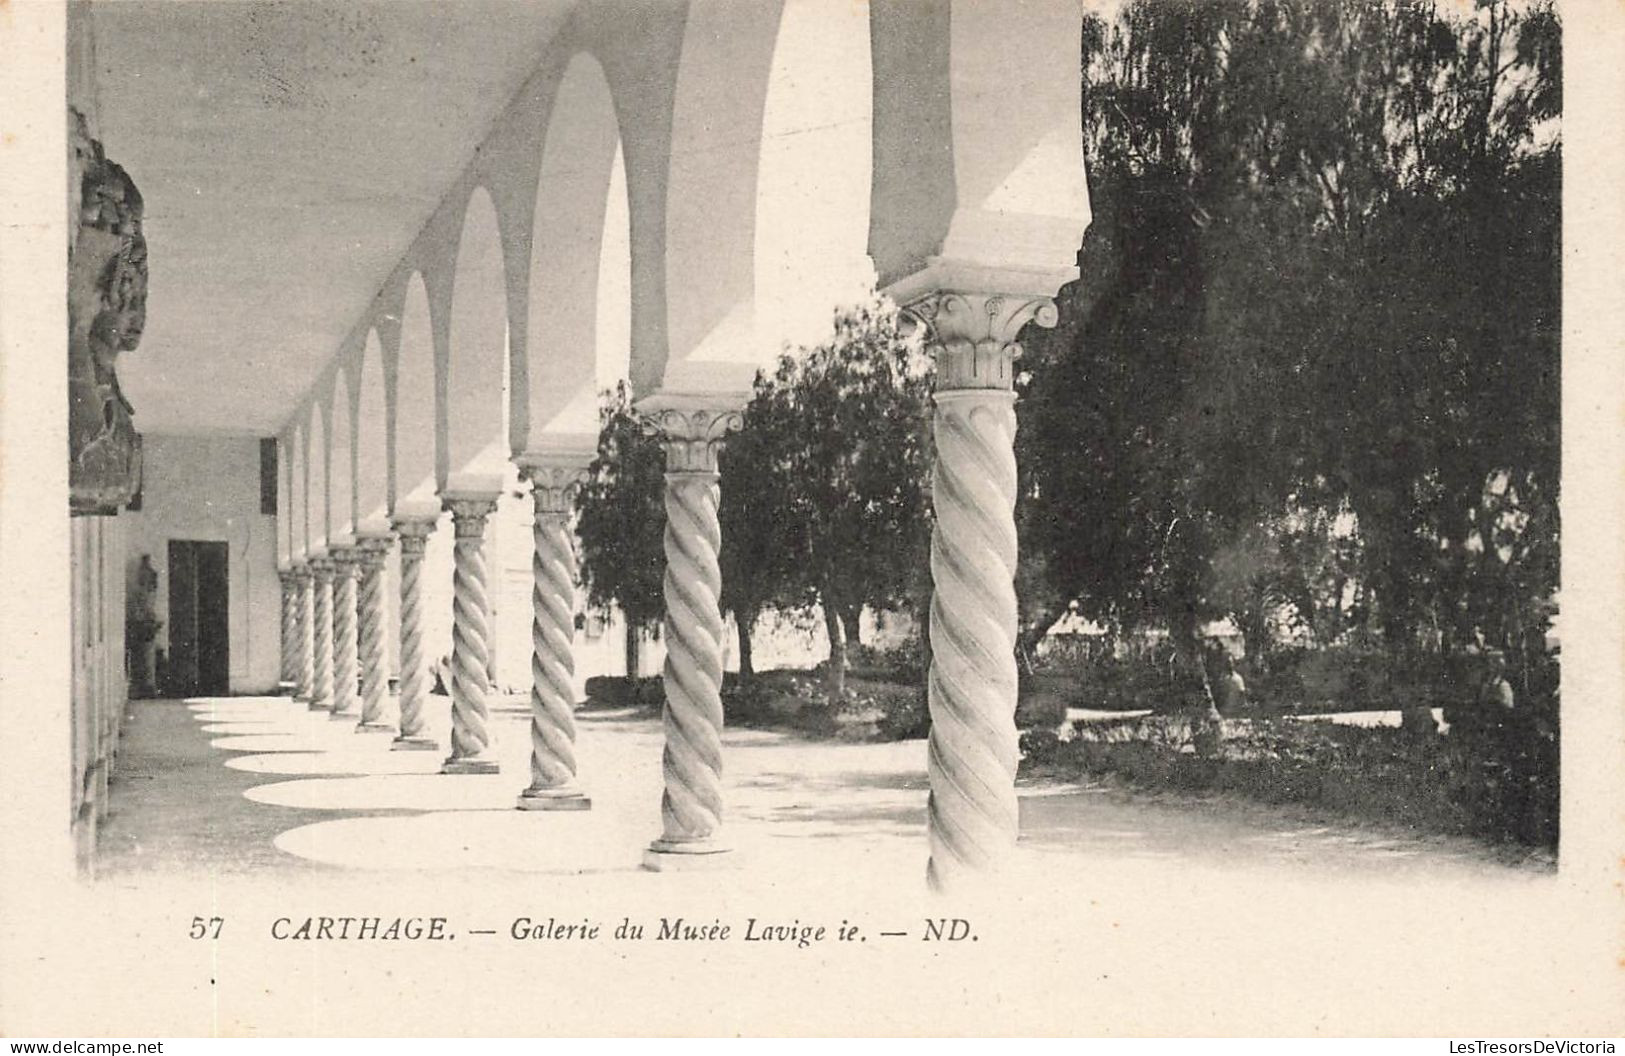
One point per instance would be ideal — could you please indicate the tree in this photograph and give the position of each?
(823, 498)
(621, 521)
(1321, 285)
(843, 431)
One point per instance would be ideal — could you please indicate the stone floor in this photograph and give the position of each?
(1119, 914)
(264, 785)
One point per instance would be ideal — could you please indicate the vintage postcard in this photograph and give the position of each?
(812, 518)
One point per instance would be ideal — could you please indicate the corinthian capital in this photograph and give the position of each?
(692, 428)
(972, 335)
(556, 470)
(414, 529)
(469, 511)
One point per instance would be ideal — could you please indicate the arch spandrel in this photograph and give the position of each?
(298, 527)
(284, 499)
(711, 193)
(580, 257)
(372, 440)
(415, 400)
(477, 353)
(316, 483)
(812, 196)
(341, 461)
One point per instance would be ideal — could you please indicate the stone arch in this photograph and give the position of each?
(298, 528)
(477, 357)
(284, 500)
(722, 80)
(372, 439)
(415, 453)
(613, 340)
(341, 461)
(812, 186)
(580, 266)
(316, 444)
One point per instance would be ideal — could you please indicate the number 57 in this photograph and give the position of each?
(204, 929)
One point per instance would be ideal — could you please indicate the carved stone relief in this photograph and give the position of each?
(107, 311)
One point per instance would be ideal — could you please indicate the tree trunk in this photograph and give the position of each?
(743, 623)
(1204, 711)
(1255, 632)
(852, 620)
(1028, 637)
(835, 676)
(631, 654)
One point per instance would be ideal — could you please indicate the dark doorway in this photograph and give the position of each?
(199, 635)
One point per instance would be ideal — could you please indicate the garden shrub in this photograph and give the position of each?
(1497, 781)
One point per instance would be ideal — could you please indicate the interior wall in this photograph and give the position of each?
(97, 619)
(208, 489)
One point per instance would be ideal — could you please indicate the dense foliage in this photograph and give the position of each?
(1310, 371)
(823, 491)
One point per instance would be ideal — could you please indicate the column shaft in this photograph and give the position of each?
(321, 693)
(370, 637)
(552, 632)
(305, 620)
(470, 634)
(344, 637)
(691, 806)
(414, 535)
(973, 749)
(288, 672)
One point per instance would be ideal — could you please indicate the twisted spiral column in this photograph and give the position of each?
(370, 635)
(552, 633)
(321, 692)
(691, 807)
(414, 535)
(345, 568)
(290, 629)
(973, 749)
(470, 635)
(304, 622)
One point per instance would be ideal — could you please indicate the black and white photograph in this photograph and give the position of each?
(784, 518)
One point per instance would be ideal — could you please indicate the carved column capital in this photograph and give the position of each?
(413, 531)
(371, 548)
(468, 512)
(554, 485)
(345, 561)
(692, 429)
(972, 334)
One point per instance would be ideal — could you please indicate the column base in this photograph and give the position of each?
(285, 689)
(318, 705)
(669, 856)
(352, 714)
(414, 744)
(470, 766)
(564, 797)
(375, 727)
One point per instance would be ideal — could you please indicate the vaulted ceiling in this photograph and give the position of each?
(288, 153)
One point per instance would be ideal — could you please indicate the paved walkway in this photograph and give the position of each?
(264, 786)
(1120, 913)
